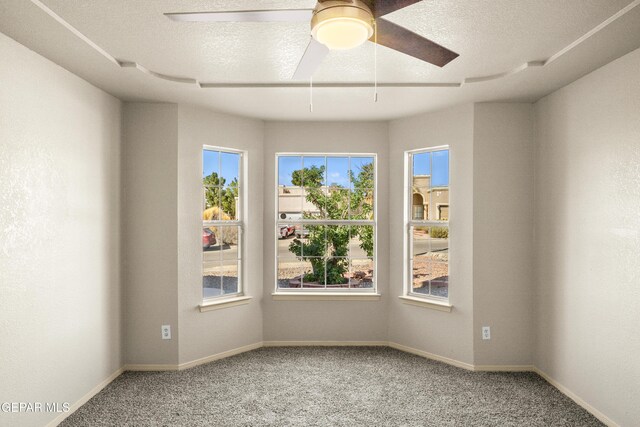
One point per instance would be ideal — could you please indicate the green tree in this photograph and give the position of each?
(308, 177)
(217, 194)
(334, 202)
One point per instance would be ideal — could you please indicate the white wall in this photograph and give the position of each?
(441, 333)
(163, 212)
(587, 230)
(503, 233)
(60, 293)
(213, 332)
(325, 320)
(150, 234)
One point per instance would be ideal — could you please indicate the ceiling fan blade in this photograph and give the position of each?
(311, 60)
(405, 41)
(383, 7)
(276, 15)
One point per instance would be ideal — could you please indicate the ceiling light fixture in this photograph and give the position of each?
(341, 25)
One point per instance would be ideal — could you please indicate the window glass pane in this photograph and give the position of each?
(440, 186)
(338, 172)
(287, 165)
(313, 239)
(361, 200)
(440, 281)
(221, 204)
(230, 269)
(285, 232)
(361, 242)
(440, 203)
(290, 201)
(314, 203)
(290, 271)
(289, 245)
(337, 272)
(228, 241)
(313, 272)
(230, 169)
(211, 200)
(430, 266)
(337, 203)
(361, 273)
(212, 280)
(440, 166)
(230, 203)
(421, 169)
(314, 172)
(420, 275)
(337, 240)
(420, 203)
(210, 163)
(362, 172)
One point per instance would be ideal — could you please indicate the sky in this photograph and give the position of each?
(337, 168)
(213, 160)
(423, 164)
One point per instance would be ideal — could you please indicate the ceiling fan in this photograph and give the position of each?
(338, 25)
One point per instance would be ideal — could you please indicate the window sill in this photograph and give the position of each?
(421, 302)
(324, 296)
(223, 303)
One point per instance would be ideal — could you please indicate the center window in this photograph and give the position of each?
(326, 222)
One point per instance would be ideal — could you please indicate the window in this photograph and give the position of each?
(428, 223)
(325, 224)
(221, 222)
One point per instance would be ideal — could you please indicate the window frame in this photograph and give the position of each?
(374, 223)
(238, 222)
(410, 222)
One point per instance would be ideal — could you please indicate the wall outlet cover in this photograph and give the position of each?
(486, 333)
(166, 332)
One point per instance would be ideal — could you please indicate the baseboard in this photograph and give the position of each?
(150, 367)
(503, 368)
(325, 343)
(564, 390)
(432, 356)
(84, 399)
(219, 356)
(191, 364)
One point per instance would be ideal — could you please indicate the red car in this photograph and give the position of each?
(208, 238)
(286, 231)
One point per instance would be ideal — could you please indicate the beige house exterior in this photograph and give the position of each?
(429, 203)
(292, 202)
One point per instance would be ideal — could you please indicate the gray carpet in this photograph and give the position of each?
(329, 386)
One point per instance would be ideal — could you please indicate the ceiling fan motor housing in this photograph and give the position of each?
(342, 24)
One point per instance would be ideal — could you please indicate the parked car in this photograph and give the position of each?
(286, 231)
(301, 231)
(208, 238)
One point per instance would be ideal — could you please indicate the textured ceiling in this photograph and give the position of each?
(492, 38)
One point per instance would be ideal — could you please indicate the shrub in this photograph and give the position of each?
(439, 232)
(228, 235)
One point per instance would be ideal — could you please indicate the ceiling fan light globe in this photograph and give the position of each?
(341, 24)
(342, 33)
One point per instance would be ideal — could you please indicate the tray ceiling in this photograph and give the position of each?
(505, 50)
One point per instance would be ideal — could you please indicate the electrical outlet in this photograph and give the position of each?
(166, 332)
(486, 333)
